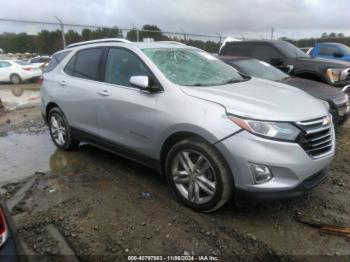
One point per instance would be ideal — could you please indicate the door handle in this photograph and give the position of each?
(63, 82)
(103, 93)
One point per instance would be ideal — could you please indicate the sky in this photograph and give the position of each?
(248, 18)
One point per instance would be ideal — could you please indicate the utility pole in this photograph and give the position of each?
(272, 30)
(137, 33)
(185, 36)
(62, 32)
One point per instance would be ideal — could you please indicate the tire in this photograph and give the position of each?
(211, 179)
(15, 79)
(60, 131)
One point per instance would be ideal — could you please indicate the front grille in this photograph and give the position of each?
(317, 136)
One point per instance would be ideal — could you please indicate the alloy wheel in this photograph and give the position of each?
(58, 129)
(194, 176)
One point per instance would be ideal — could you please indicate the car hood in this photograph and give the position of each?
(326, 62)
(262, 99)
(316, 89)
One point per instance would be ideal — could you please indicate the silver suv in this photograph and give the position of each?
(214, 133)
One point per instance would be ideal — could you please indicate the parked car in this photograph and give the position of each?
(39, 60)
(331, 51)
(292, 60)
(336, 99)
(213, 132)
(306, 50)
(10, 247)
(17, 71)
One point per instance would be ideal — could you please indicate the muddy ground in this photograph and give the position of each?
(90, 205)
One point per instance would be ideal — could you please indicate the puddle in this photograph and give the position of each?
(17, 96)
(21, 155)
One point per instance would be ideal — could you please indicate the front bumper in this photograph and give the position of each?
(290, 165)
(245, 196)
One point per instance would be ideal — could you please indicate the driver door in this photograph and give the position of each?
(127, 116)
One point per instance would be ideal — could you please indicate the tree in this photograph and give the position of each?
(340, 35)
(332, 34)
(324, 35)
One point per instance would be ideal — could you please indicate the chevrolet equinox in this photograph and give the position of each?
(213, 132)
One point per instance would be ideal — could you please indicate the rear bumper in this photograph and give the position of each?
(249, 196)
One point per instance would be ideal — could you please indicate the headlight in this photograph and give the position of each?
(325, 103)
(336, 74)
(275, 130)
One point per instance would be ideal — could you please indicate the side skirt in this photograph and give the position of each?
(114, 148)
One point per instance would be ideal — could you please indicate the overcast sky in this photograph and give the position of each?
(251, 18)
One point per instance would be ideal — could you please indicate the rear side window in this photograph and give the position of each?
(328, 50)
(121, 65)
(86, 64)
(235, 49)
(264, 52)
(4, 64)
(55, 60)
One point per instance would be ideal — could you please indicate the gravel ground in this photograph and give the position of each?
(107, 208)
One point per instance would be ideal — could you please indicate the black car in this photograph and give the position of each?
(338, 101)
(291, 60)
(10, 247)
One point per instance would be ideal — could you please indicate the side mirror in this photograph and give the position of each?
(338, 54)
(276, 61)
(141, 82)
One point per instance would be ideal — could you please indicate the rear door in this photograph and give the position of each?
(78, 91)
(126, 116)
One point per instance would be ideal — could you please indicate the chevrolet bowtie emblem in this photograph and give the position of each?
(326, 121)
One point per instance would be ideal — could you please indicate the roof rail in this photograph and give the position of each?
(104, 40)
(172, 42)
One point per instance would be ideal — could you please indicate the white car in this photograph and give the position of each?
(40, 61)
(17, 71)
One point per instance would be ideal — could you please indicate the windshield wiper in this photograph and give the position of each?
(233, 81)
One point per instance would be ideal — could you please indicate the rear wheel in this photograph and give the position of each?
(60, 131)
(198, 175)
(15, 79)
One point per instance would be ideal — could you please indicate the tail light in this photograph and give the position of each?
(41, 80)
(3, 228)
(27, 68)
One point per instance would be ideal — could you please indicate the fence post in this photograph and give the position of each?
(62, 32)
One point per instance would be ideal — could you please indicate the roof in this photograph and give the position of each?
(121, 42)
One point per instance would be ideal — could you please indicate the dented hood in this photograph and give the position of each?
(262, 99)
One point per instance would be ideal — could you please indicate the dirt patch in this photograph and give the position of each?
(107, 208)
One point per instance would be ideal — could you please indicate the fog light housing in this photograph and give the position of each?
(261, 173)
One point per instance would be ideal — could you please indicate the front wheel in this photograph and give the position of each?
(198, 175)
(60, 131)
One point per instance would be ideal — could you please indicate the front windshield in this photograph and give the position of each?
(291, 50)
(254, 67)
(192, 67)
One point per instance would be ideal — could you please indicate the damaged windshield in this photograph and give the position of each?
(192, 67)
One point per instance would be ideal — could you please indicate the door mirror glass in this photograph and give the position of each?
(338, 54)
(276, 61)
(141, 82)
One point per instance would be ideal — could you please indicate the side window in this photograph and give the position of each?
(4, 64)
(35, 60)
(121, 65)
(235, 49)
(264, 52)
(55, 60)
(88, 64)
(328, 50)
